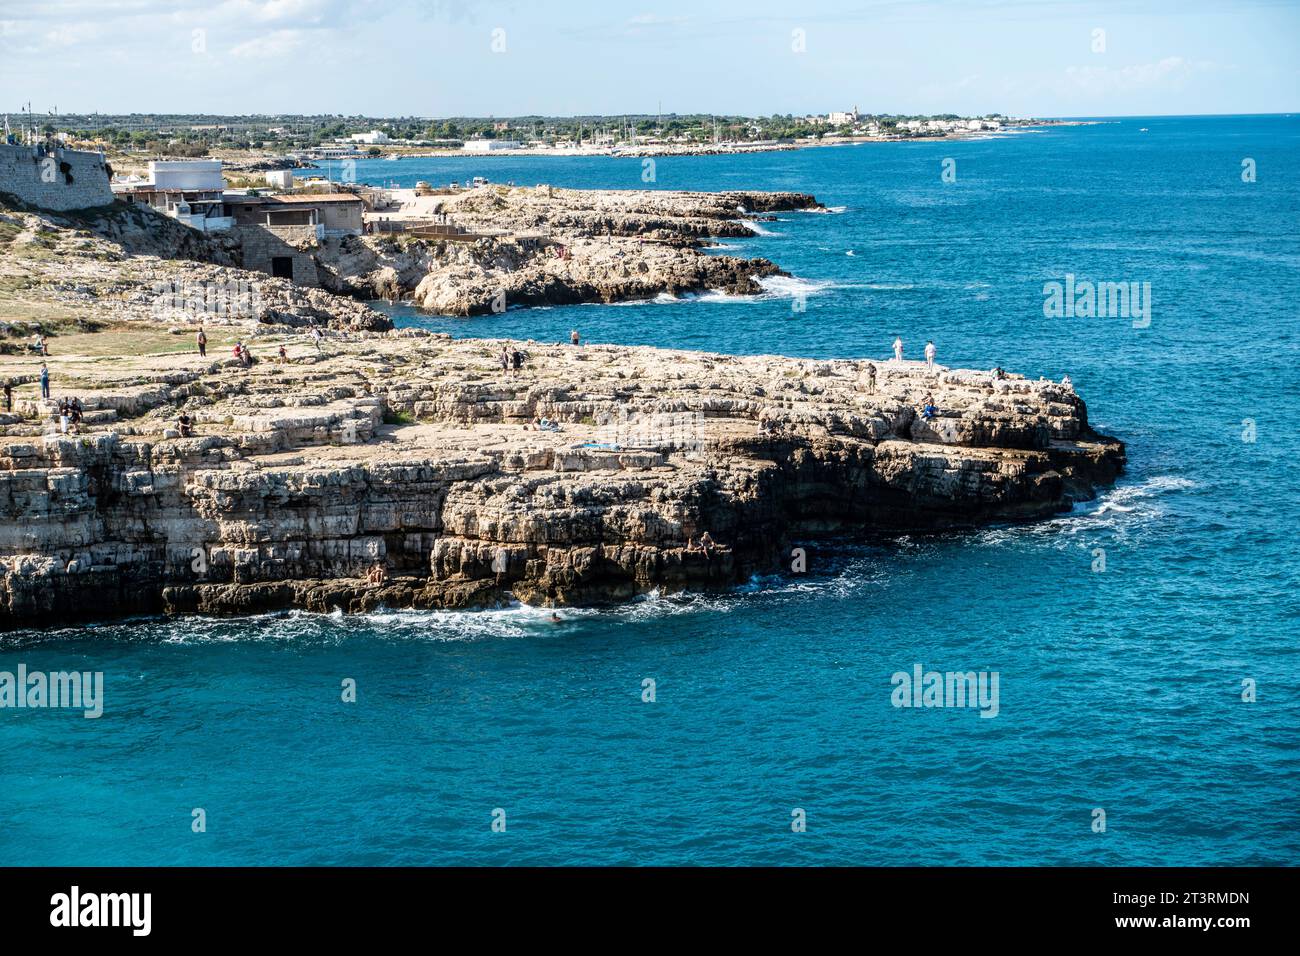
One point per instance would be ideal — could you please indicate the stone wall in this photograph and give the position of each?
(59, 180)
(262, 244)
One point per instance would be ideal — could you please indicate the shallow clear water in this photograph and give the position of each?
(1119, 690)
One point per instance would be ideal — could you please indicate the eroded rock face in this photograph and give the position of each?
(546, 246)
(421, 454)
(129, 263)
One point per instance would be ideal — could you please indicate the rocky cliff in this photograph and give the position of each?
(546, 246)
(420, 454)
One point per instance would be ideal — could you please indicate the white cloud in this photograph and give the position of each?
(73, 34)
(275, 44)
(1169, 73)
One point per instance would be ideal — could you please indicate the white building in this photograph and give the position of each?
(190, 175)
(279, 178)
(373, 138)
(189, 191)
(843, 119)
(490, 145)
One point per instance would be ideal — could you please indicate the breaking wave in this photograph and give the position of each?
(1118, 514)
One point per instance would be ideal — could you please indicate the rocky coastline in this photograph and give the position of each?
(402, 469)
(547, 246)
(419, 454)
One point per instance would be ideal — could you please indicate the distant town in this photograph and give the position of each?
(307, 138)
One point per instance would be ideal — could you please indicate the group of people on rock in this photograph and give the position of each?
(930, 352)
(70, 414)
(512, 360)
(245, 357)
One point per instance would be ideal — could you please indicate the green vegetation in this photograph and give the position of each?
(398, 417)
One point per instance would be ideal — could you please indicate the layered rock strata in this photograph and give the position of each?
(419, 454)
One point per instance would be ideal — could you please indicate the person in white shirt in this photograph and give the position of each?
(898, 350)
(929, 355)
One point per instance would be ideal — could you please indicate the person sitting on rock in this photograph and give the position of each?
(1067, 383)
(378, 575)
(184, 425)
(284, 354)
(707, 544)
(574, 337)
(928, 408)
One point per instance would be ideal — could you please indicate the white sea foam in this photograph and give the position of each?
(1118, 514)
(788, 287)
(1126, 510)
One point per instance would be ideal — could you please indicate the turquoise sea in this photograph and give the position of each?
(1120, 690)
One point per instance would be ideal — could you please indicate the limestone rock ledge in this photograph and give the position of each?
(412, 451)
(548, 246)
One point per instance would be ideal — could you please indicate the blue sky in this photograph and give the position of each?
(484, 57)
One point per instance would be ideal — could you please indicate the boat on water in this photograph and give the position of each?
(392, 157)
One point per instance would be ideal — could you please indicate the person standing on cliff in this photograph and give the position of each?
(898, 349)
(930, 353)
(202, 340)
(870, 374)
(9, 395)
(504, 359)
(45, 381)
